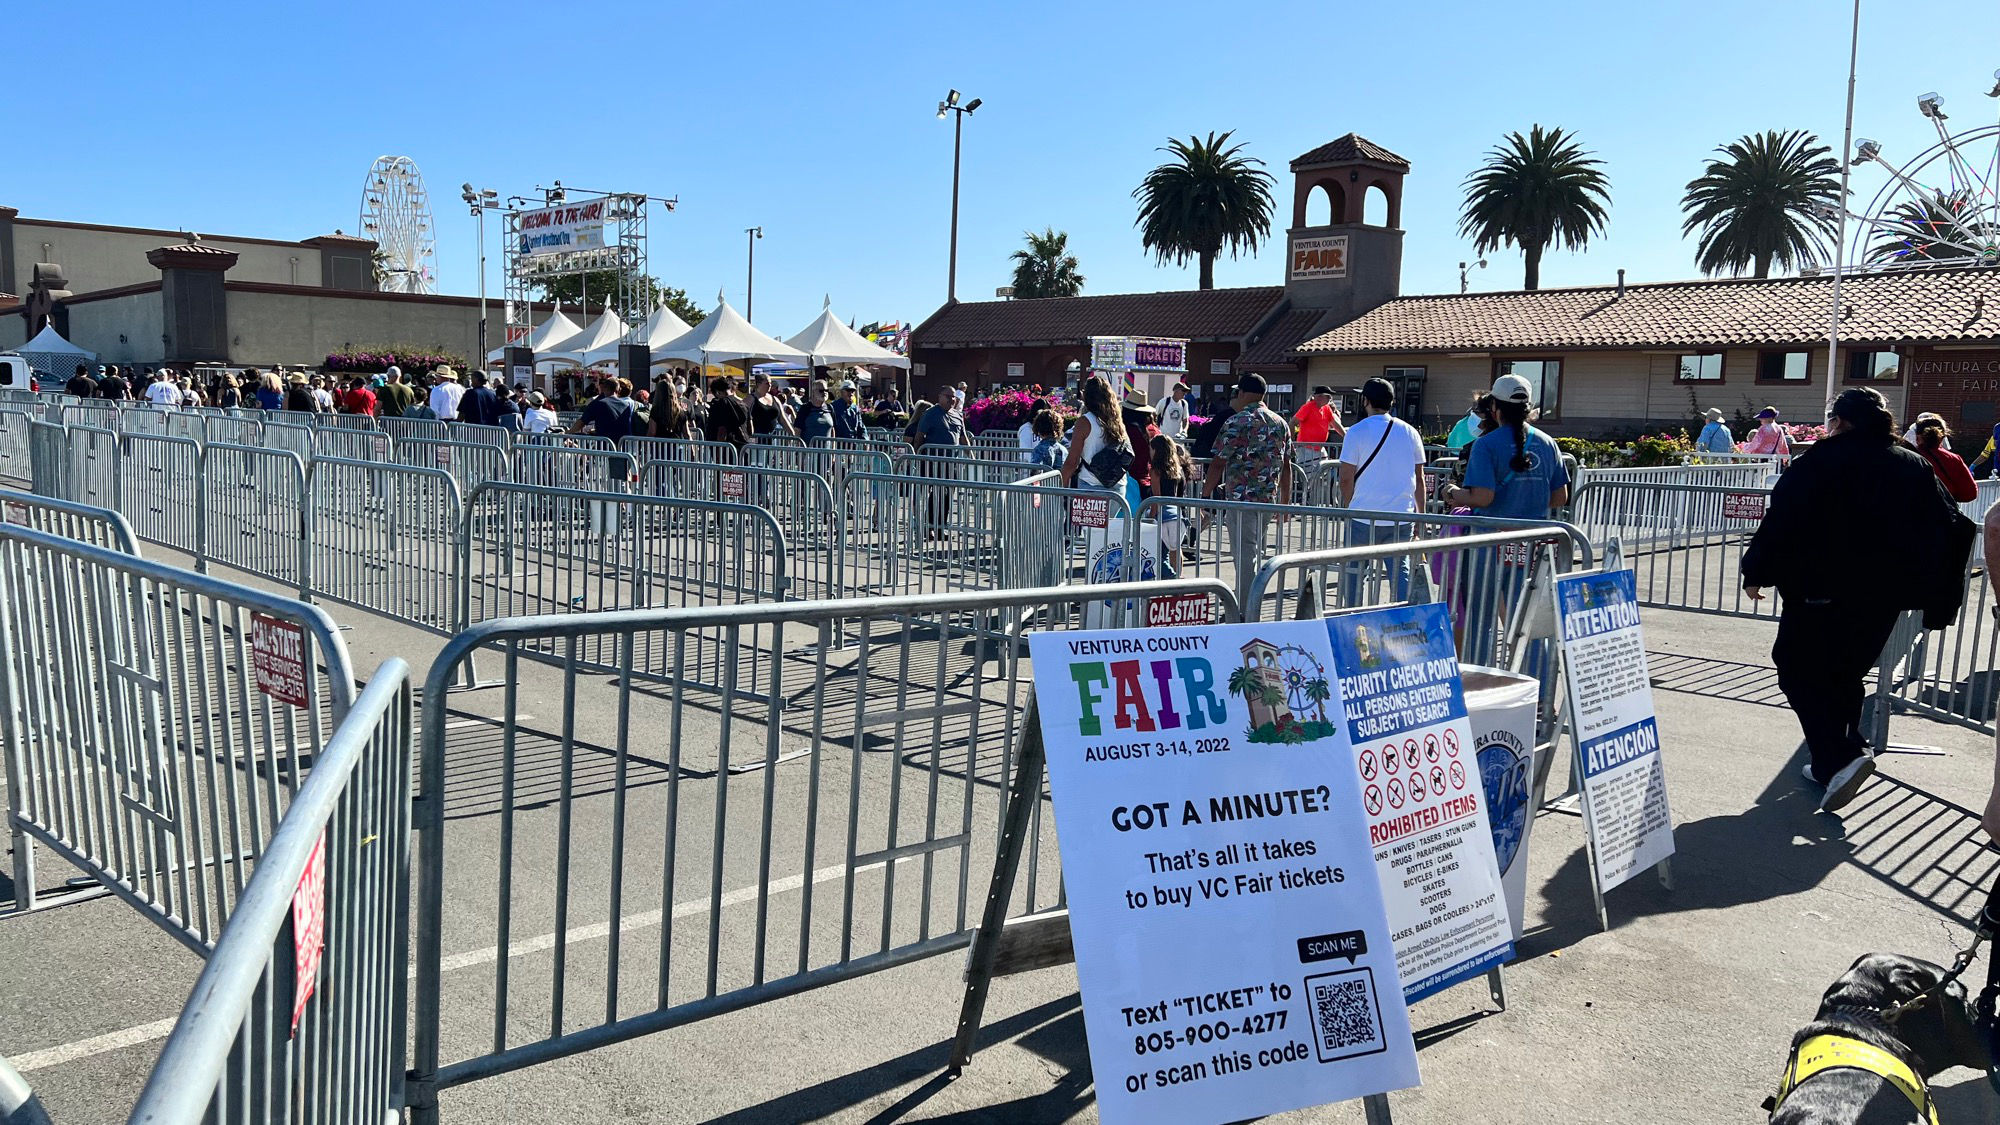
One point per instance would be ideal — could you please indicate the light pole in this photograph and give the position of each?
(1465, 273)
(750, 284)
(479, 201)
(960, 113)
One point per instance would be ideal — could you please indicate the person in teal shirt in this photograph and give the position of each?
(1715, 437)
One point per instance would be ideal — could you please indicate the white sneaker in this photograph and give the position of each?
(1806, 770)
(1841, 788)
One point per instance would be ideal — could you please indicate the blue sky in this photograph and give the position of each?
(817, 121)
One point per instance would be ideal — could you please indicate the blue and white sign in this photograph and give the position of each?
(1404, 707)
(1625, 807)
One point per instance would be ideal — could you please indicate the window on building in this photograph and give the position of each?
(1543, 375)
(1784, 367)
(1218, 367)
(1874, 367)
(1698, 367)
(1017, 371)
(1409, 384)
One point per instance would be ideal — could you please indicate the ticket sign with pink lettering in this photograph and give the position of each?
(278, 654)
(1230, 941)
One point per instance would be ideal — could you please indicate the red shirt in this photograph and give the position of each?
(1315, 421)
(1950, 469)
(360, 400)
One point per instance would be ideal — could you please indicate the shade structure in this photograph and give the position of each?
(725, 337)
(53, 356)
(828, 341)
(604, 332)
(660, 329)
(550, 335)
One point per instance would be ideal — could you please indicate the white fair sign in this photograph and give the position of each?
(1624, 787)
(1231, 946)
(561, 230)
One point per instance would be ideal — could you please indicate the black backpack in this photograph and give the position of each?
(1109, 463)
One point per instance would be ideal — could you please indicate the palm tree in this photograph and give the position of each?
(1532, 191)
(1046, 268)
(1208, 197)
(1319, 691)
(1244, 682)
(1947, 227)
(1764, 202)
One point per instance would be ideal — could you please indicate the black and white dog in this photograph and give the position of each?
(1850, 1066)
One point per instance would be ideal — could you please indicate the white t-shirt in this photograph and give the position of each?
(163, 393)
(539, 420)
(1390, 483)
(1174, 418)
(444, 400)
(1026, 434)
(324, 398)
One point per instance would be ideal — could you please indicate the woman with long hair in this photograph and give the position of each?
(768, 413)
(270, 391)
(1099, 428)
(670, 418)
(1173, 477)
(1858, 530)
(1931, 436)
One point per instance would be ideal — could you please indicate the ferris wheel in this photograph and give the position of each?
(1938, 209)
(396, 213)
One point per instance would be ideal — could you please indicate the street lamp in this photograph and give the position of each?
(750, 285)
(479, 201)
(1465, 273)
(960, 112)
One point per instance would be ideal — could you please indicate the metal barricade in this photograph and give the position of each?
(644, 449)
(292, 437)
(144, 420)
(1754, 475)
(353, 443)
(92, 473)
(601, 469)
(471, 464)
(1007, 438)
(253, 514)
(156, 722)
(1951, 675)
(1684, 542)
(400, 427)
(889, 447)
(972, 470)
(497, 436)
(160, 476)
(48, 459)
(565, 440)
(16, 459)
(235, 1056)
(346, 422)
(693, 881)
(100, 413)
(188, 424)
(802, 504)
(386, 538)
(99, 527)
(235, 428)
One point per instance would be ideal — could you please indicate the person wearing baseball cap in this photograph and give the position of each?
(1515, 472)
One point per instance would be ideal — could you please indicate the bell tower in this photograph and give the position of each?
(1343, 263)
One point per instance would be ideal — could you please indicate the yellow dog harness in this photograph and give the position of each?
(1836, 1052)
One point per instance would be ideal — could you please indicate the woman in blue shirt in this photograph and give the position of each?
(1516, 472)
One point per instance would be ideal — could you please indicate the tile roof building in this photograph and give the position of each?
(1604, 358)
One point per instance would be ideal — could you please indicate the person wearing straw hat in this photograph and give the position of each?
(1136, 410)
(1715, 437)
(445, 393)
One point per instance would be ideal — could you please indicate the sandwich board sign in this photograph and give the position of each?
(1231, 945)
(1628, 823)
(1403, 702)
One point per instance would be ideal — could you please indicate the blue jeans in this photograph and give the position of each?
(1354, 583)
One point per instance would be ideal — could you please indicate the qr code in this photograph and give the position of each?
(1346, 1020)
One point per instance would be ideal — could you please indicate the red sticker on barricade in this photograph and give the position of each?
(278, 651)
(1090, 511)
(1742, 506)
(734, 486)
(1169, 610)
(308, 930)
(16, 512)
(1516, 554)
(444, 456)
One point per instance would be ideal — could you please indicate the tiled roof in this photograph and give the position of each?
(1276, 347)
(1349, 148)
(1190, 314)
(1909, 306)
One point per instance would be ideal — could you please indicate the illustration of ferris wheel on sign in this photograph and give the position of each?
(1939, 208)
(396, 213)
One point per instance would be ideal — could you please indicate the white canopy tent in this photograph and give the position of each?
(550, 335)
(725, 337)
(603, 333)
(660, 329)
(52, 355)
(829, 342)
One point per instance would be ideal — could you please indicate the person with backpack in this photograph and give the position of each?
(1099, 449)
(728, 419)
(611, 415)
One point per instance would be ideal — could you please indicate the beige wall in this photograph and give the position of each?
(290, 328)
(13, 331)
(1602, 390)
(139, 318)
(104, 259)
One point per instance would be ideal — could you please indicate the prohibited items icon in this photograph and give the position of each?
(1372, 799)
(1451, 743)
(1412, 757)
(1368, 765)
(1437, 780)
(1431, 747)
(1457, 776)
(1391, 761)
(1395, 792)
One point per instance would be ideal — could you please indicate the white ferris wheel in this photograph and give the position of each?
(1940, 208)
(396, 213)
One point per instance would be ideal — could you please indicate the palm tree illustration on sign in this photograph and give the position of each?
(1276, 681)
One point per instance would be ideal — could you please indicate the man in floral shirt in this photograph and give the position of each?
(1252, 464)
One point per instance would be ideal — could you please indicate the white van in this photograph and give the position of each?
(15, 374)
